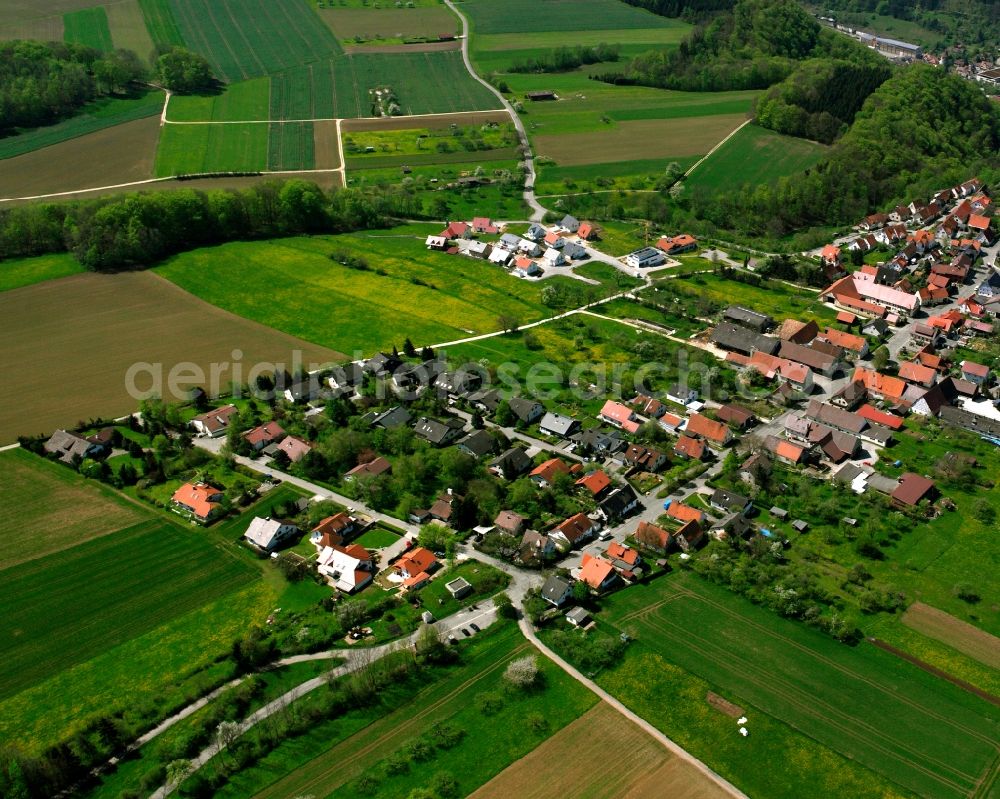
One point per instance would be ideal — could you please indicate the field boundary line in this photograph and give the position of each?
(707, 155)
(415, 117)
(672, 746)
(849, 726)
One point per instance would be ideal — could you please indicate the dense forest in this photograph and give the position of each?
(135, 230)
(820, 98)
(563, 59)
(43, 83)
(688, 9)
(972, 23)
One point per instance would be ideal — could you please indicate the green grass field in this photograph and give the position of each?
(466, 139)
(18, 272)
(63, 611)
(912, 728)
(161, 24)
(291, 146)
(189, 149)
(292, 285)
(565, 16)
(255, 37)
(377, 538)
(328, 760)
(246, 101)
(89, 27)
(98, 115)
(780, 300)
(755, 156)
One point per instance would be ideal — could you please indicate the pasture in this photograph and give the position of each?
(142, 319)
(51, 508)
(755, 156)
(642, 766)
(111, 155)
(956, 633)
(17, 272)
(128, 28)
(88, 26)
(291, 146)
(635, 175)
(467, 139)
(101, 593)
(657, 138)
(191, 149)
(406, 290)
(330, 759)
(161, 24)
(394, 24)
(96, 116)
(565, 16)
(909, 727)
(254, 37)
(246, 101)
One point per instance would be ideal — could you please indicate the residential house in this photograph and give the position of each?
(295, 448)
(458, 383)
(199, 500)
(674, 245)
(680, 512)
(556, 590)
(214, 423)
(588, 231)
(557, 425)
(857, 346)
(536, 548)
(975, 372)
(602, 443)
(644, 458)
(443, 508)
(812, 356)
(917, 374)
(554, 241)
(737, 416)
(369, 469)
(880, 386)
(439, 434)
(882, 418)
(650, 406)
(525, 267)
(869, 298)
(268, 534)
(730, 501)
(348, 569)
(545, 473)
(851, 395)
(66, 446)
(575, 530)
(618, 503)
(798, 332)
(526, 410)
(691, 448)
(382, 365)
(717, 433)
(500, 257)
(672, 423)
(645, 258)
(392, 418)
(598, 573)
(264, 435)
(746, 317)
(553, 257)
(912, 489)
(574, 252)
(483, 224)
(597, 483)
(570, 224)
(436, 243)
(619, 415)
(925, 335)
(415, 567)
(507, 521)
(332, 530)
(511, 464)
(652, 537)
(479, 249)
(876, 328)
(457, 230)
(485, 401)
(689, 535)
(478, 444)
(625, 559)
(535, 232)
(732, 525)
(578, 617)
(349, 376)
(786, 451)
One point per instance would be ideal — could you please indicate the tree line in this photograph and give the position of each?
(688, 9)
(43, 83)
(135, 230)
(563, 59)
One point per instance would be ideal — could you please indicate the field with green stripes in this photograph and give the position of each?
(89, 27)
(904, 724)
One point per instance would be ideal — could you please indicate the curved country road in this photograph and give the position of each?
(537, 209)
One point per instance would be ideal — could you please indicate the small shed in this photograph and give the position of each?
(459, 587)
(800, 525)
(578, 617)
(779, 513)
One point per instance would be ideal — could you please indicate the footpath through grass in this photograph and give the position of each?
(860, 703)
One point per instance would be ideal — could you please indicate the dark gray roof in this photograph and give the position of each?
(478, 443)
(973, 422)
(523, 408)
(489, 398)
(392, 418)
(729, 500)
(600, 440)
(836, 417)
(67, 445)
(381, 363)
(458, 382)
(513, 462)
(617, 502)
(436, 432)
(554, 589)
(350, 374)
(748, 318)
(741, 339)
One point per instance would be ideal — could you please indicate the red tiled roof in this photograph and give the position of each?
(917, 373)
(196, 497)
(617, 551)
(548, 470)
(912, 488)
(886, 385)
(684, 513)
(594, 571)
(595, 482)
(700, 425)
(691, 447)
(265, 433)
(889, 420)
(418, 559)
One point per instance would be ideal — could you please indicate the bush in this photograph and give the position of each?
(489, 703)
(522, 673)
(444, 786)
(967, 593)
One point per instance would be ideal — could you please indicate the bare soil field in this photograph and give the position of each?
(45, 29)
(325, 145)
(964, 637)
(388, 23)
(425, 47)
(119, 154)
(644, 138)
(71, 342)
(50, 508)
(12, 11)
(578, 754)
(723, 705)
(429, 121)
